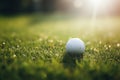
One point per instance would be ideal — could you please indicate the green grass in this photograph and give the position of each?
(33, 48)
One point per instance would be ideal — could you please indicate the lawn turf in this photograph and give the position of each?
(32, 47)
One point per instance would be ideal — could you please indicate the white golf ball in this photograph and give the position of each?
(75, 46)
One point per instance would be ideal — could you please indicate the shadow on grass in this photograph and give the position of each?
(69, 60)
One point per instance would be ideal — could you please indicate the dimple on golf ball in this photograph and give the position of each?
(75, 46)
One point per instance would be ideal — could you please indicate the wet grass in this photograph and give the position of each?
(33, 48)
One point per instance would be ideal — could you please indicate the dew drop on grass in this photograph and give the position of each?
(56, 55)
(91, 48)
(18, 46)
(40, 39)
(109, 46)
(100, 42)
(106, 48)
(24, 55)
(3, 43)
(14, 56)
(36, 47)
(96, 50)
(51, 52)
(33, 58)
(20, 41)
(118, 45)
(50, 41)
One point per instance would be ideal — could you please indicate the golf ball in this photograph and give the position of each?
(75, 46)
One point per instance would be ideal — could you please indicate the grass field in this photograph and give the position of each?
(33, 48)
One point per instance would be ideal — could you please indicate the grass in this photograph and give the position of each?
(33, 48)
